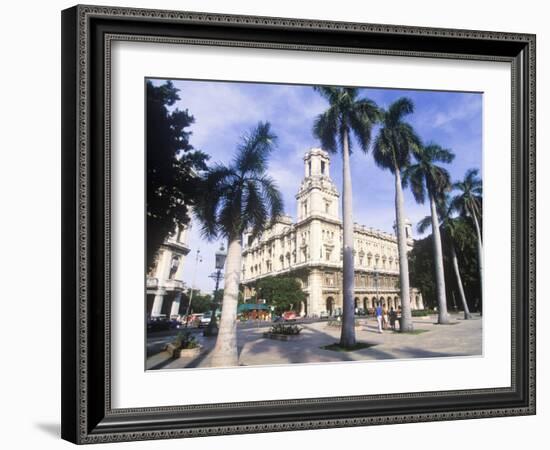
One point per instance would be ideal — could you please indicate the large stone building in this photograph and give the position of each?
(165, 284)
(311, 250)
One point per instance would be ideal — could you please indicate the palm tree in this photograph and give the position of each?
(347, 113)
(426, 176)
(468, 203)
(450, 227)
(392, 150)
(238, 197)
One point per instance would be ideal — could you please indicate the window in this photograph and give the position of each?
(179, 237)
(174, 264)
(322, 167)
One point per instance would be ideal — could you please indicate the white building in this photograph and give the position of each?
(165, 284)
(311, 249)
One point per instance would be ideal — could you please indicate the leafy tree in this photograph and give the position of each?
(200, 302)
(238, 197)
(428, 177)
(450, 227)
(422, 267)
(468, 203)
(172, 165)
(347, 113)
(392, 151)
(422, 264)
(284, 293)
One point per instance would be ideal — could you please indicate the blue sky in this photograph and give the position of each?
(224, 111)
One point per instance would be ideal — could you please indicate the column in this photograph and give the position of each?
(315, 300)
(315, 241)
(412, 300)
(157, 304)
(176, 305)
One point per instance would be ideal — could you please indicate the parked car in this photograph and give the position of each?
(194, 319)
(205, 319)
(289, 316)
(159, 323)
(323, 315)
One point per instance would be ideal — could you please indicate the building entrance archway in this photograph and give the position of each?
(330, 305)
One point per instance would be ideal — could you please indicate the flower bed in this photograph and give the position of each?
(185, 345)
(283, 332)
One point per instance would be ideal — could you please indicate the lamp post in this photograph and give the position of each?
(376, 284)
(212, 328)
(198, 259)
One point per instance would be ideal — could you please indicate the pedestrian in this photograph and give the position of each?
(385, 317)
(393, 317)
(378, 312)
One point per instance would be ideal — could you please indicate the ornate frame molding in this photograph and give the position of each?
(84, 262)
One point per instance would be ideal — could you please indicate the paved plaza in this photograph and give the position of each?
(460, 338)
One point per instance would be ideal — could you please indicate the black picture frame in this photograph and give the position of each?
(87, 416)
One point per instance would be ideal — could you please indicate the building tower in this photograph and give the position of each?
(317, 195)
(319, 222)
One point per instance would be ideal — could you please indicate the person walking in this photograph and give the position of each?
(378, 312)
(393, 318)
(385, 317)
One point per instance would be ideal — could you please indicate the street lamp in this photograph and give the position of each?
(376, 284)
(198, 259)
(212, 328)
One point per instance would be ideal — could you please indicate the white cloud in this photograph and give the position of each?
(468, 106)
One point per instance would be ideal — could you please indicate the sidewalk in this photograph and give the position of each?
(462, 338)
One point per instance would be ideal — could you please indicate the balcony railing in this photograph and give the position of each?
(174, 285)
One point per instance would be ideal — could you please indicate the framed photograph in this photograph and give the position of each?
(282, 224)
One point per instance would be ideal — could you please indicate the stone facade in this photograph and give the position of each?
(311, 249)
(165, 280)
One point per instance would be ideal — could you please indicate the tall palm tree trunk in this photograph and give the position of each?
(443, 315)
(347, 338)
(225, 351)
(406, 316)
(480, 258)
(467, 314)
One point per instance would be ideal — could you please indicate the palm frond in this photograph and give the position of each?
(325, 128)
(254, 150)
(347, 114)
(382, 150)
(241, 195)
(272, 197)
(361, 120)
(212, 185)
(254, 208)
(398, 109)
(329, 93)
(414, 177)
(424, 224)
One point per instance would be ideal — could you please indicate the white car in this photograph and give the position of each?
(205, 319)
(323, 315)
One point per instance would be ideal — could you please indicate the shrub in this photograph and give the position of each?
(186, 340)
(282, 328)
(422, 312)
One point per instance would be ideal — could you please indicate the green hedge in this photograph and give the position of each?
(422, 312)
